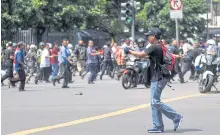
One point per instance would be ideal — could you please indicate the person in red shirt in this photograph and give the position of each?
(54, 60)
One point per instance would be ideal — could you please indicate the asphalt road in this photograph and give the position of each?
(105, 108)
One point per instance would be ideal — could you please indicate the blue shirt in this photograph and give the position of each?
(91, 58)
(19, 57)
(64, 54)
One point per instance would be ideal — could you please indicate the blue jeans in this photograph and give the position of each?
(54, 70)
(159, 108)
(93, 70)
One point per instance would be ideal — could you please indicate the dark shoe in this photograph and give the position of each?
(155, 130)
(82, 77)
(71, 82)
(91, 83)
(47, 81)
(36, 82)
(181, 81)
(21, 90)
(54, 82)
(65, 87)
(100, 77)
(178, 123)
(191, 78)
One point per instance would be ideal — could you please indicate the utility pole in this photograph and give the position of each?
(133, 23)
(177, 29)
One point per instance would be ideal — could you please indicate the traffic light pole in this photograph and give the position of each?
(133, 23)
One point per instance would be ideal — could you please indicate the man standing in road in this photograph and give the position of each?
(158, 82)
(107, 62)
(80, 53)
(19, 67)
(92, 62)
(44, 65)
(64, 65)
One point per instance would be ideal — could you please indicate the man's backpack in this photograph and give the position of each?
(168, 66)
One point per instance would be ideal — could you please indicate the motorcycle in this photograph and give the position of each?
(135, 73)
(208, 67)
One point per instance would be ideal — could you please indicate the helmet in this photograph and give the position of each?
(14, 44)
(32, 46)
(140, 40)
(154, 31)
(211, 42)
(70, 46)
(41, 43)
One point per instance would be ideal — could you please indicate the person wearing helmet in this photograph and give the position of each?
(7, 61)
(158, 82)
(140, 45)
(31, 59)
(211, 47)
(73, 65)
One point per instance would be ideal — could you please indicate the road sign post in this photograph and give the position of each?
(176, 13)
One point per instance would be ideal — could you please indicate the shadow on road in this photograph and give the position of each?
(182, 130)
(213, 92)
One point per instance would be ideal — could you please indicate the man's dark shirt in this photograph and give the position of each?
(8, 53)
(9, 67)
(195, 52)
(80, 52)
(107, 54)
(156, 56)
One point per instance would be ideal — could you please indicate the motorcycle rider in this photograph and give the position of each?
(140, 45)
(212, 49)
(158, 82)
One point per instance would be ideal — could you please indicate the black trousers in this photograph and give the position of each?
(186, 67)
(64, 73)
(21, 79)
(43, 72)
(105, 66)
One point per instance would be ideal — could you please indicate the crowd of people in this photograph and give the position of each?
(53, 62)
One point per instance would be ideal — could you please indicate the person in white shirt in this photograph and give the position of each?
(44, 65)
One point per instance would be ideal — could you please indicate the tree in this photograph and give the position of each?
(156, 14)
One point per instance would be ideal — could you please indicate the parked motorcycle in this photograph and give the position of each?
(135, 73)
(208, 67)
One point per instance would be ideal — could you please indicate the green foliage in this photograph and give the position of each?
(66, 15)
(157, 14)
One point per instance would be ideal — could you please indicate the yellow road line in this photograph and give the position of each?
(75, 122)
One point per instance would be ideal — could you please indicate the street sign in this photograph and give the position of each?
(176, 14)
(176, 7)
(176, 4)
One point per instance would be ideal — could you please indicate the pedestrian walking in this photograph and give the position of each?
(80, 53)
(44, 65)
(92, 61)
(19, 68)
(158, 82)
(64, 65)
(31, 59)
